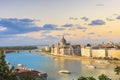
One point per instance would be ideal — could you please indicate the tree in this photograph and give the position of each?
(82, 78)
(28, 78)
(103, 77)
(91, 78)
(117, 70)
(6, 73)
(86, 78)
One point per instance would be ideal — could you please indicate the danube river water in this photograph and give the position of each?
(52, 65)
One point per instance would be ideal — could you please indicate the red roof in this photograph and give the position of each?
(20, 73)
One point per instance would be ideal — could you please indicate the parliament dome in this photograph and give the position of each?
(63, 40)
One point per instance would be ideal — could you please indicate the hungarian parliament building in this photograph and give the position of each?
(64, 48)
(104, 50)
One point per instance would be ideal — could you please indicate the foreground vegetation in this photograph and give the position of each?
(6, 73)
(101, 77)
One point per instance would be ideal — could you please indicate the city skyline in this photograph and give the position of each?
(39, 22)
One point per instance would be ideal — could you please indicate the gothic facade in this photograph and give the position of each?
(64, 48)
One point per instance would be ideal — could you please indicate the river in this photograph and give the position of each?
(52, 65)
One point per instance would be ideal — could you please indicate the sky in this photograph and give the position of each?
(41, 22)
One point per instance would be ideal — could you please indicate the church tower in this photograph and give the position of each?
(63, 42)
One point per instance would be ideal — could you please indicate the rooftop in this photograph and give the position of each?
(23, 72)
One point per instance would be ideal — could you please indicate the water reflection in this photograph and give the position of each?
(59, 62)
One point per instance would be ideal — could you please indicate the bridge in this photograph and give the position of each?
(17, 51)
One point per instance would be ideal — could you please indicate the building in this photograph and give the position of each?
(90, 50)
(22, 72)
(100, 52)
(47, 48)
(64, 48)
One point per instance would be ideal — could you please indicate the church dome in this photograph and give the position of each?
(63, 40)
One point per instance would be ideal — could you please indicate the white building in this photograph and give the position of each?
(47, 48)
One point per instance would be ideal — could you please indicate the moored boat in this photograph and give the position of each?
(102, 61)
(90, 66)
(64, 71)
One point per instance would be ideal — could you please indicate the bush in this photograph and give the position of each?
(117, 70)
(103, 77)
(86, 78)
(82, 78)
(6, 73)
(115, 59)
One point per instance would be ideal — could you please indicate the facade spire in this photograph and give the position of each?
(63, 40)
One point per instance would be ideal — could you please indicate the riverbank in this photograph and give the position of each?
(74, 57)
(64, 56)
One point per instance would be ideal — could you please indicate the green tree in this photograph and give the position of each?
(6, 73)
(82, 78)
(86, 78)
(28, 78)
(117, 70)
(103, 77)
(91, 78)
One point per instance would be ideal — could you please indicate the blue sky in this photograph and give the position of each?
(39, 22)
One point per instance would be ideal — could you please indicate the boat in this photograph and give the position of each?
(90, 66)
(102, 61)
(64, 71)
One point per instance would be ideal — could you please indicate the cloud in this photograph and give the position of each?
(98, 35)
(97, 22)
(115, 14)
(66, 34)
(2, 28)
(7, 36)
(81, 27)
(49, 39)
(110, 19)
(109, 31)
(45, 32)
(118, 17)
(50, 27)
(73, 18)
(73, 26)
(67, 25)
(17, 26)
(91, 33)
(99, 4)
(85, 18)
(84, 30)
